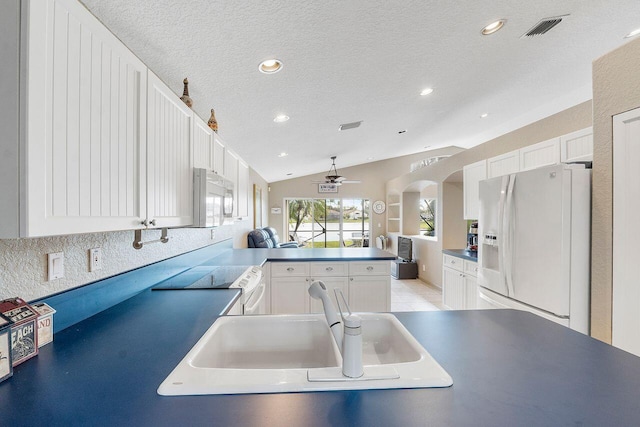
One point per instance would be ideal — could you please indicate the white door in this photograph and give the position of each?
(490, 219)
(453, 289)
(538, 233)
(370, 293)
(626, 205)
(289, 295)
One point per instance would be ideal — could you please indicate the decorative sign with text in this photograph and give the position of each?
(24, 331)
(327, 188)
(6, 367)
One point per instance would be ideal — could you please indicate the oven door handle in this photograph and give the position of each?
(259, 289)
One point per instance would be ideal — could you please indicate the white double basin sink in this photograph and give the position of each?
(281, 353)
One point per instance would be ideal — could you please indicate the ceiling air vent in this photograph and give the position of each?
(348, 126)
(543, 26)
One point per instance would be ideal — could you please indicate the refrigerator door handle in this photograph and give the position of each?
(501, 212)
(509, 228)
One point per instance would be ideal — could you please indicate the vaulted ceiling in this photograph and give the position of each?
(347, 61)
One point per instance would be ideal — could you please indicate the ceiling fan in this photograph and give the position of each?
(332, 176)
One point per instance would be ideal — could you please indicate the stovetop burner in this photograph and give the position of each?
(204, 277)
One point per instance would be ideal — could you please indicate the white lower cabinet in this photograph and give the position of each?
(369, 293)
(289, 295)
(459, 283)
(365, 285)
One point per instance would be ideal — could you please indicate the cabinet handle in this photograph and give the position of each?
(290, 269)
(351, 278)
(453, 262)
(152, 222)
(370, 268)
(307, 279)
(329, 268)
(144, 222)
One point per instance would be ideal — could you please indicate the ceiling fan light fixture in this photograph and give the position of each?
(493, 27)
(426, 91)
(270, 66)
(281, 118)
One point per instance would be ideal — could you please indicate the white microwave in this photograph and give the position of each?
(212, 199)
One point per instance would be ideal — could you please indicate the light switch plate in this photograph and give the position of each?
(56, 266)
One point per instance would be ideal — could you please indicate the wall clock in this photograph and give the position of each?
(378, 207)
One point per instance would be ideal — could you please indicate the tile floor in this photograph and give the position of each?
(415, 295)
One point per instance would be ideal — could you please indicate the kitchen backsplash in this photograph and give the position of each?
(23, 262)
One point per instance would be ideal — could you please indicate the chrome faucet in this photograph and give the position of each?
(349, 338)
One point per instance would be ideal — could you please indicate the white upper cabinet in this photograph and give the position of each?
(82, 123)
(231, 173)
(218, 155)
(577, 146)
(472, 175)
(544, 153)
(169, 158)
(202, 144)
(503, 164)
(244, 190)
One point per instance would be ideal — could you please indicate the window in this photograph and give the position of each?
(428, 217)
(329, 223)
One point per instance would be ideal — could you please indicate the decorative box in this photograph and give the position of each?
(6, 367)
(24, 331)
(45, 323)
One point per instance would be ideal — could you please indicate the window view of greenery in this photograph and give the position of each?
(329, 223)
(428, 217)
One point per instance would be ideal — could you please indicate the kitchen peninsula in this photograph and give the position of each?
(508, 367)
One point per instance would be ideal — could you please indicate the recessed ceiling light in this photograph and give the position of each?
(493, 27)
(426, 91)
(270, 66)
(283, 154)
(281, 118)
(632, 33)
(484, 115)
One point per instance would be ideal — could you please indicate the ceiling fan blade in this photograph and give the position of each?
(351, 182)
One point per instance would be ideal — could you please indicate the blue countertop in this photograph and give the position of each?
(508, 367)
(260, 256)
(462, 253)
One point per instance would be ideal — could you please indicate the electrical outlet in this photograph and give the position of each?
(213, 233)
(424, 268)
(56, 266)
(95, 259)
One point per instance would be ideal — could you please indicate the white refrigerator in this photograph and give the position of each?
(534, 243)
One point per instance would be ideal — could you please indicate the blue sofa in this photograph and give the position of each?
(267, 237)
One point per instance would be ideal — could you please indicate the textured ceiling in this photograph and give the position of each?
(347, 61)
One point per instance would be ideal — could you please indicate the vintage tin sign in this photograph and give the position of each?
(6, 367)
(45, 323)
(24, 331)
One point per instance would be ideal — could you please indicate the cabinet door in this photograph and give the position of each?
(169, 160)
(342, 283)
(472, 175)
(202, 144)
(85, 122)
(577, 146)
(289, 295)
(504, 164)
(545, 153)
(453, 289)
(243, 189)
(231, 173)
(471, 292)
(218, 155)
(370, 293)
